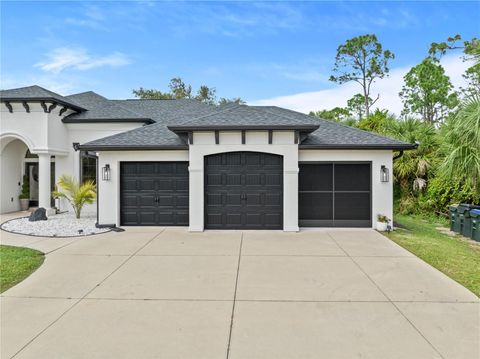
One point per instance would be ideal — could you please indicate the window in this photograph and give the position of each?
(88, 167)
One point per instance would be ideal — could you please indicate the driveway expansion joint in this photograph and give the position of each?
(389, 299)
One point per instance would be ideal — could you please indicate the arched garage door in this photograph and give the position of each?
(244, 190)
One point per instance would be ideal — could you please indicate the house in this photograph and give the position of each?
(185, 163)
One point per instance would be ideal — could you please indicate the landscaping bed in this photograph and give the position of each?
(60, 225)
(454, 255)
(16, 264)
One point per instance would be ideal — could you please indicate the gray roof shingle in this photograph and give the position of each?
(37, 93)
(243, 116)
(336, 135)
(102, 109)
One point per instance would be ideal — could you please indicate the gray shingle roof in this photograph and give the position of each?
(37, 93)
(243, 116)
(168, 111)
(158, 136)
(155, 136)
(102, 109)
(336, 135)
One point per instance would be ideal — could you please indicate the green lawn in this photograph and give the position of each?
(454, 256)
(16, 264)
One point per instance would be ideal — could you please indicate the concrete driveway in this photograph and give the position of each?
(167, 293)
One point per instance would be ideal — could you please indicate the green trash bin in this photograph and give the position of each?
(454, 222)
(475, 215)
(465, 219)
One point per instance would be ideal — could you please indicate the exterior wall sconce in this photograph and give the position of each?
(384, 175)
(106, 172)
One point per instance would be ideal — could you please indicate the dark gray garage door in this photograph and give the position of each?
(154, 193)
(335, 194)
(244, 190)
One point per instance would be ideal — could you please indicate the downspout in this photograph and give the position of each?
(398, 156)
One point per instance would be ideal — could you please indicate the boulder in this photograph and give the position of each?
(39, 214)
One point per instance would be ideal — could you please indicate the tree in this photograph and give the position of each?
(413, 170)
(179, 89)
(379, 121)
(151, 94)
(206, 95)
(471, 51)
(356, 105)
(77, 195)
(225, 101)
(336, 114)
(363, 60)
(428, 92)
(461, 146)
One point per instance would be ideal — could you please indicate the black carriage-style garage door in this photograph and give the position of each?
(154, 193)
(335, 194)
(244, 190)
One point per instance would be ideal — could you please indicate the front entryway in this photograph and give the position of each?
(244, 190)
(335, 194)
(154, 193)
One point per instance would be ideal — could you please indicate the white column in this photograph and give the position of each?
(290, 200)
(44, 185)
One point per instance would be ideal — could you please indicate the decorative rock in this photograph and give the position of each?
(39, 214)
(60, 225)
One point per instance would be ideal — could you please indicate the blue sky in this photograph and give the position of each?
(257, 51)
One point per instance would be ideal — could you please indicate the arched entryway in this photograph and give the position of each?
(19, 165)
(243, 190)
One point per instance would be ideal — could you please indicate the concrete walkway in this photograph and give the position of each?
(167, 293)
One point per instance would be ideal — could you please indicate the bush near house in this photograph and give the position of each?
(77, 195)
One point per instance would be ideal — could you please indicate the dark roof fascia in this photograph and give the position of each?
(109, 120)
(399, 146)
(43, 99)
(132, 148)
(183, 129)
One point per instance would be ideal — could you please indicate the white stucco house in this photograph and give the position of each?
(185, 163)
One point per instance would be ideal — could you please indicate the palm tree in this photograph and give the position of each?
(413, 170)
(77, 195)
(461, 146)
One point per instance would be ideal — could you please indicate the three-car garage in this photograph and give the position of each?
(244, 190)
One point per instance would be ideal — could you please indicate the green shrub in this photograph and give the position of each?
(442, 193)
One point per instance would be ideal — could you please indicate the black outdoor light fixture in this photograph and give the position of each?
(106, 172)
(384, 175)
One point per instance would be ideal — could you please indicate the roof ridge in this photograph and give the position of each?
(210, 114)
(276, 114)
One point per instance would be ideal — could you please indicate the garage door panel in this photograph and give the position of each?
(354, 206)
(130, 185)
(154, 193)
(352, 177)
(316, 206)
(145, 184)
(273, 219)
(213, 179)
(233, 179)
(315, 177)
(273, 199)
(146, 168)
(335, 194)
(233, 219)
(252, 186)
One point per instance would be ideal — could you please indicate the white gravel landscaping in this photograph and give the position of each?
(59, 225)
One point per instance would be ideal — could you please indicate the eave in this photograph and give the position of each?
(132, 148)
(399, 146)
(43, 99)
(302, 128)
(107, 120)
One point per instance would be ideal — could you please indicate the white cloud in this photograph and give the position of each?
(388, 88)
(79, 59)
